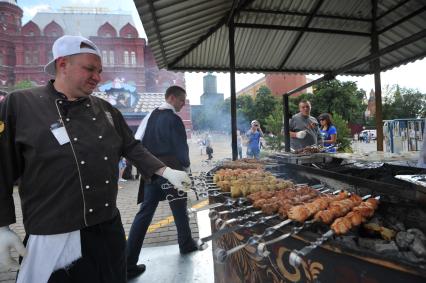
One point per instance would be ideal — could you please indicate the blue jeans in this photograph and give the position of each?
(253, 153)
(153, 194)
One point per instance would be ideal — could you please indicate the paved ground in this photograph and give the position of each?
(162, 230)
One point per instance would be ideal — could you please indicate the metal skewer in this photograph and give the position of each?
(221, 255)
(227, 202)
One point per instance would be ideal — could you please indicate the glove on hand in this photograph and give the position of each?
(8, 240)
(177, 178)
(301, 134)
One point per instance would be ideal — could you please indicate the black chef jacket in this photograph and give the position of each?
(66, 187)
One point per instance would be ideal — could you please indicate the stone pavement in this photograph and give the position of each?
(162, 230)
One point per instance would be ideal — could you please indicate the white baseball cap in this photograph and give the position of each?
(70, 45)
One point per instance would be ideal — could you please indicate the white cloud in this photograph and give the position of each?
(30, 11)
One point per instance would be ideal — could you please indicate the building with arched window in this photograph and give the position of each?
(126, 57)
(25, 49)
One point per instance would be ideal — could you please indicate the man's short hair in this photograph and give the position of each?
(175, 91)
(305, 101)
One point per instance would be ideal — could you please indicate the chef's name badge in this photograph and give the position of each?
(58, 130)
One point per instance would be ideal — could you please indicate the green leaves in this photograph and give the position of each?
(23, 85)
(403, 103)
(335, 97)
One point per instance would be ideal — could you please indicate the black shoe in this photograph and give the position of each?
(189, 249)
(135, 271)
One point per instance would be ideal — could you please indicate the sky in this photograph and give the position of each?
(410, 76)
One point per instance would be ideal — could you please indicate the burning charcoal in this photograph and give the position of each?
(410, 256)
(418, 247)
(394, 224)
(348, 241)
(399, 226)
(412, 216)
(377, 220)
(404, 239)
(417, 233)
(389, 248)
(369, 244)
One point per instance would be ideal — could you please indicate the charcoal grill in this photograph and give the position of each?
(340, 259)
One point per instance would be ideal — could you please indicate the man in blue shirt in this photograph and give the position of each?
(253, 135)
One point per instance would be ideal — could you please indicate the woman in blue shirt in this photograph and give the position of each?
(328, 131)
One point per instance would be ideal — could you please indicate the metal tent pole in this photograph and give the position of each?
(231, 29)
(375, 66)
(286, 115)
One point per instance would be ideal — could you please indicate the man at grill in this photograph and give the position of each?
(304, 129)
(163, 133)
(64, 145)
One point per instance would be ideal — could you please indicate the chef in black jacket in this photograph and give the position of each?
(65, 145)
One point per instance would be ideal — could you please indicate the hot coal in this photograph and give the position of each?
(393, 222)
(417, 233)
(387, 248)
(404, 240)
(370, 244)
(418, 247)
(410, 256)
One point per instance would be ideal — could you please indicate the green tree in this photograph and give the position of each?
(335, 97)
(403, 103)
(343, 133)
(245, 108)
(274, 125)
(23, 84)
(264, 105)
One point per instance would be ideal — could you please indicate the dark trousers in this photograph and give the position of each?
(103, 259)
(153, 194)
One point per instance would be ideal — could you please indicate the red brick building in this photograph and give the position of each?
(25, 49)
(277, 83)
(371, 105)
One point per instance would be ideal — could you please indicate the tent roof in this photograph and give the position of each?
(302, 36)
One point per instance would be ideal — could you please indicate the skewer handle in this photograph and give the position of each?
(296, 256)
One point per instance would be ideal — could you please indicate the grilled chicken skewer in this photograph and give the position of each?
(272, 206)
(259, 197)
(221, 224)
(221, 255)
(262, 250)
(340, 226)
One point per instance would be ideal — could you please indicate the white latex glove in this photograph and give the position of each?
(187, 170)
(301, 134)
(8, 240)
(177, 178)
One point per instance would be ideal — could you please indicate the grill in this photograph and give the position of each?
(249, 246)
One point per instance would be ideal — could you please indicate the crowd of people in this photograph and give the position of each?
(305, 131)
